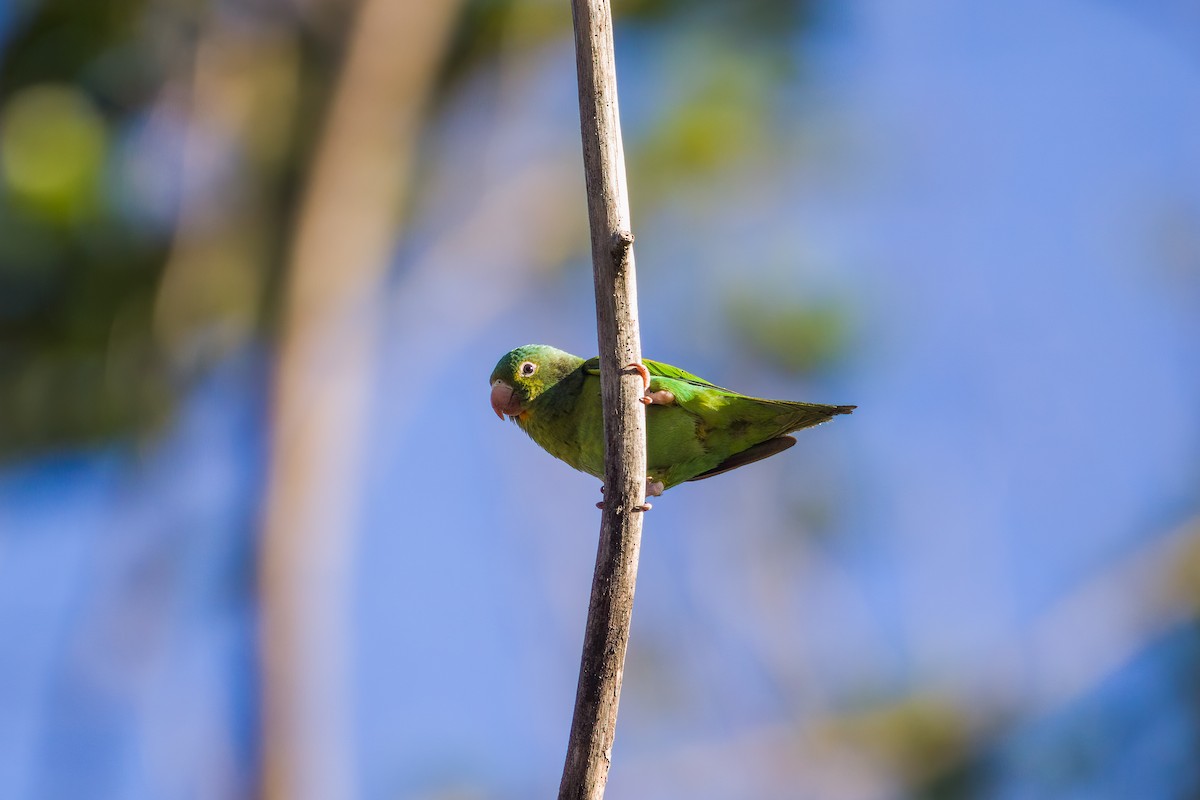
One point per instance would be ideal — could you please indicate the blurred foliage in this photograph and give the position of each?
(717, 117)
(760, 21)
(76, 275)
(794, 335)
(1182, 584)
(150, 155)
(97, 105)
(1086, 749)
(487, 26)
(52, 146)
(919, 738)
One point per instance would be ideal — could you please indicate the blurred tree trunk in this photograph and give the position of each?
(346, 231)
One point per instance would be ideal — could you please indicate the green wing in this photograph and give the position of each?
(661, 370)
(708, 429)
(658, 369)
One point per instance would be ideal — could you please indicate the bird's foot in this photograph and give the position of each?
(653, 489)
(640, 369)
(642, 507)
(662, 396)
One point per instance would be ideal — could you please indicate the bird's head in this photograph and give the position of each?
(522, 375)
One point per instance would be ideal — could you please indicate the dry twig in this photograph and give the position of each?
(593, 726)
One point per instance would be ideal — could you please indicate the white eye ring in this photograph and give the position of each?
(527, 368)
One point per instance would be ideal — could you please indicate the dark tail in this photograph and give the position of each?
(748, 456)
(809, 414)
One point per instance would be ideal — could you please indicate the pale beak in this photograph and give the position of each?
(504, 400)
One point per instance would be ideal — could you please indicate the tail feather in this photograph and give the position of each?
(809, 414)
(805, 415)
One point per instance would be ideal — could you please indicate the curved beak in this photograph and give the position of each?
(504, 400)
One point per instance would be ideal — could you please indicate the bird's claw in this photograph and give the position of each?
(642, 507)
(662, 397)
(653, 489)
(640, 368)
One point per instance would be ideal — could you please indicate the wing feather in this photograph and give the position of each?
(658, 369)
(748, 456)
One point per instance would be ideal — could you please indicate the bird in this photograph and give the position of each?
(694, 428)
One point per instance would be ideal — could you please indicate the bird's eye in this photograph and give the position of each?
(527, 368)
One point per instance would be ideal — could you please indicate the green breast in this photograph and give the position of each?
(567, 423)
(570, 427)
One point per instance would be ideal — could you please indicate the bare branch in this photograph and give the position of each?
(593, 726)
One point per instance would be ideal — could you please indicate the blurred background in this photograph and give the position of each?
(261, 534)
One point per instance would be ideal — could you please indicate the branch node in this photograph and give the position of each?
(622, 240)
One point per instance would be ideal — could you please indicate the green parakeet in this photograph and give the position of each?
(694, 429)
